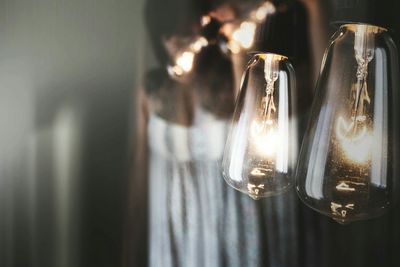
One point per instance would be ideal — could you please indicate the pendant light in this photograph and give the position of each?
(349, 154)
(261, 149)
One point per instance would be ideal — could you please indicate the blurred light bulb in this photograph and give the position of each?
(199, 44)
(260, 152)
(264, 130)
(205, 20)
(175, 71)
(244, 35)
(185, 61)
(346, 162)
(263, 11)
(234, 47)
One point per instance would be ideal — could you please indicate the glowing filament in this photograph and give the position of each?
(257, 172)
(265, 138)
(356, 146)
(354, 137)
(264, 132)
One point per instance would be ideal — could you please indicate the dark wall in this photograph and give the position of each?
(68, 70)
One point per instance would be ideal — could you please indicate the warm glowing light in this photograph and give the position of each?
(264, 130)
(234, 47)
(259, 155)
(185, 61)
(261, 13)
(199, 44)
(356, 146)
(244, 35)
(175, 70)
(347, 153)
(354, 138)
(264, 138)
(205, 20)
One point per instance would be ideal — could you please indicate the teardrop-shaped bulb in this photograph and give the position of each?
(260, 153)
(348, 155)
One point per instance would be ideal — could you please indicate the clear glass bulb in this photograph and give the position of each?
(346, 163)
(261, 149)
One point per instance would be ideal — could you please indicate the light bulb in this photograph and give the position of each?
(243, 36)
(347, 160)
(205, 20)
(184, 60)
(261, 13)
(198, 44)
(261, 149)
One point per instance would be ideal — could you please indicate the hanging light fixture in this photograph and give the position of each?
(347, 161)
(244, 32)
(261, 149)
(184, 60)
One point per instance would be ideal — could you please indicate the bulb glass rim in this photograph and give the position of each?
(372, 28)
(263, 55)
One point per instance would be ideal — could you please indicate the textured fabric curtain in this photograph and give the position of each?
(195, 218)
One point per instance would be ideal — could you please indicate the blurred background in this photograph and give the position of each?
(110, 145)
